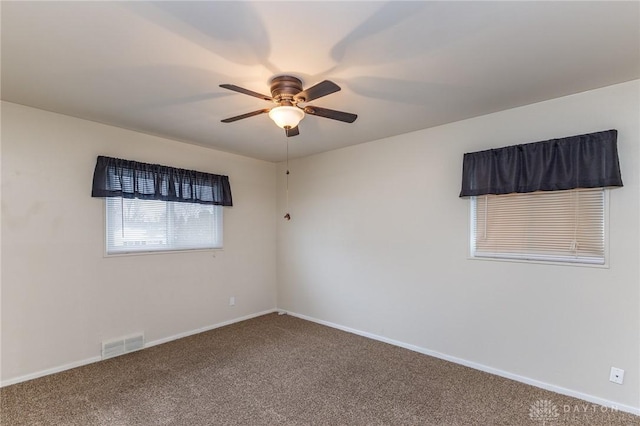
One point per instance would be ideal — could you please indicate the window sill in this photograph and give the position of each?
(541, 262)
(156, 252)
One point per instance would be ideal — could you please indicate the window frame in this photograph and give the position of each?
(156, 252)
(539, 259)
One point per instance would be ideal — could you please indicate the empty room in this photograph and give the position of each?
(336, 213)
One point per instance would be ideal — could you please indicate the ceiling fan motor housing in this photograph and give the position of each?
(284, 88)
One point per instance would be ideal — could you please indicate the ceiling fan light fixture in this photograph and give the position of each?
(286, 116)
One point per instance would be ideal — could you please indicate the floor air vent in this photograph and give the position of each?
(122, 346)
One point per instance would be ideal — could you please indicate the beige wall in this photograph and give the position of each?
(61, 297)
(378, 243)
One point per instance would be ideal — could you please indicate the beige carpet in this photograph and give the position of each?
(284, 370)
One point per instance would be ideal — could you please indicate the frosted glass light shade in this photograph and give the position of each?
(286, 116)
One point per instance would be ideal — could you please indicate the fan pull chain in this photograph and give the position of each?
(287, 216)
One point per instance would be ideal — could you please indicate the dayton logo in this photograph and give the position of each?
(543, 411)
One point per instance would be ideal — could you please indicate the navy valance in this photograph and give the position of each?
(583, 161)
(114, 177)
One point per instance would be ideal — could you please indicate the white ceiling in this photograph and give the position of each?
(155, 67)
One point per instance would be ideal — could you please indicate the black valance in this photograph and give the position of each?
(583, 161)
(114, 177)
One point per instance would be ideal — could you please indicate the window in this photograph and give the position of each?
(134, 225)
(559, 226)
(150, 207)
(543, 201)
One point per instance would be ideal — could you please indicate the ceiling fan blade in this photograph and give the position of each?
(347, 117)
(292, 132)
(246, 91)
(321, 89)
(247, 115)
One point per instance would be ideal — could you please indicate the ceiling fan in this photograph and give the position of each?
(287, 94)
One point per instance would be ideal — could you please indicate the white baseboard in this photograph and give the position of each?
(91, 360)
(49, 371)
(553, 388)
(207, 328)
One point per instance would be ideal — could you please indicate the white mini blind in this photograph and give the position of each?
(562, 226)
(135, 225)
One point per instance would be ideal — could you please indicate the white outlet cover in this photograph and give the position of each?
(617, 375)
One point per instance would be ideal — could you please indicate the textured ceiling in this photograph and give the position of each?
(155, 67)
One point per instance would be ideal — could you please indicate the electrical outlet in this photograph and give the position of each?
(232, 301)
(617, 375)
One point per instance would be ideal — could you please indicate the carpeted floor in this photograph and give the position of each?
(284, 370)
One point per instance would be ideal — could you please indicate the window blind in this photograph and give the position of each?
(135, 225)
(565, 226)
